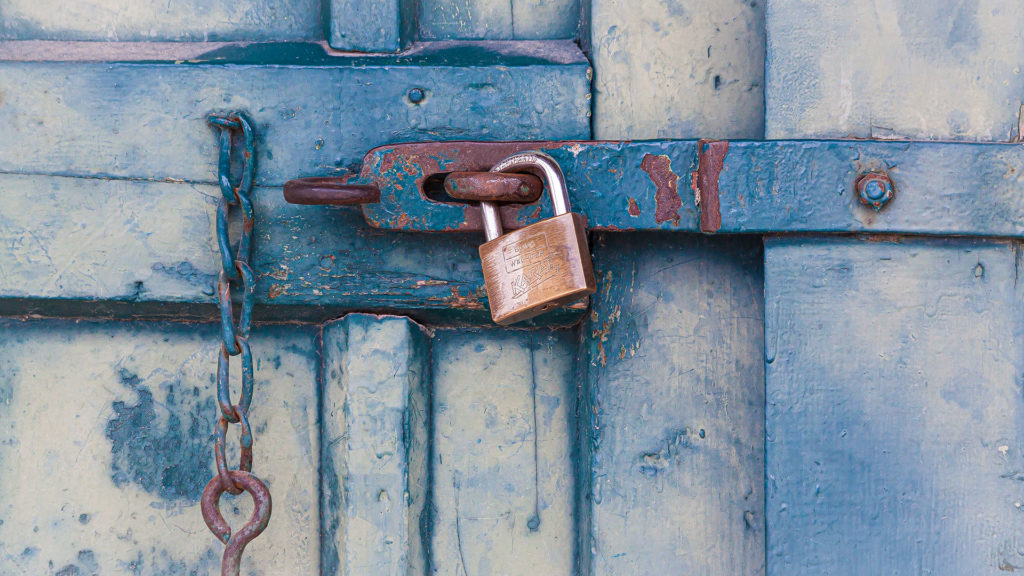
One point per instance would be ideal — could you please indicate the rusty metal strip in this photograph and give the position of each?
(330, 191)
(493, 187)
(710, 161)
(742, 187)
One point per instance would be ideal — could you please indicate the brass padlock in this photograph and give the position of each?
(541, 266)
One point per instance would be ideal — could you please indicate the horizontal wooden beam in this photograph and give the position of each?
(111, 248)
(118, 112)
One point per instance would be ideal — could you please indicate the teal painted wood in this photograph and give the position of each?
(893, 406)
(498, 19)
(776, 186)
(502, 472)
(106, 443)
(181, 20)
(678, 69)
(314, 114)
(374, 432)
(96, 248)
(674, 408)
(372, 25)
(903, 69)
(98, 237)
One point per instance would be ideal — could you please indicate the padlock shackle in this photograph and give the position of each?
(531, 161)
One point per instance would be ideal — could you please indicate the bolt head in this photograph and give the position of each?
(416, 95)
(875, 189)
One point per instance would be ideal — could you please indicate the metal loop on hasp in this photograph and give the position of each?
(531, 161)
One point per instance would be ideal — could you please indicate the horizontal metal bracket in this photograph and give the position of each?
(944, 188)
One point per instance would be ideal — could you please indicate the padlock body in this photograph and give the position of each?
(537, 268)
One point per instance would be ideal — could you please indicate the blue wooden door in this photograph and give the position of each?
(788, 399)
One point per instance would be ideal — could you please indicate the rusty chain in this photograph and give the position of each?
(235, 269)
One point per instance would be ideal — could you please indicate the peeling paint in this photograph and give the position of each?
(705, 183)
(666, 182)
(163, 448)
(634, 209)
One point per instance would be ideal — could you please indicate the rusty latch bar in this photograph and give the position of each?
(717, 186)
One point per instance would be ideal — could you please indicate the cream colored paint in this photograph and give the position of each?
(655, 66)
(895, 69)
(57, 459)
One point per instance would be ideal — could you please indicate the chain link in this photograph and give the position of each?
(235, 269)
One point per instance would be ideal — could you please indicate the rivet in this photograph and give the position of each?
(416, 95)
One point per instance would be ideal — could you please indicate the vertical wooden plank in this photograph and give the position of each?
(894, 407)
(675, 408)
(106, 444)
(498, 19)
(502, 470)
(374, 432)
(371, 25)
(895, 69)
(679, 69)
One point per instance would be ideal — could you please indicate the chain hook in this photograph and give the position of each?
(235, 543)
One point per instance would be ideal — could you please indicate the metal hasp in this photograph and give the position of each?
(721, 187)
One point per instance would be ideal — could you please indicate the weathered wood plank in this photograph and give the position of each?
(71, 243)
(106, 436)
(314, 114)
(181, 20)
(498, 19)
(680, 69)
(374, 433)
(502, 470)
(372, 25)
(674, 409)
(893, 406)
(898, 69)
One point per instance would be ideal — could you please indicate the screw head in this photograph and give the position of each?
(875, 189)
(416, 95)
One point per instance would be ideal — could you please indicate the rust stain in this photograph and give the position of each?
(602, 336)
(634, 208)
(710, 161)
(470, 302)
(666, 199)
(275, 290)
(391, 166)
(278, 274)
(402, 221)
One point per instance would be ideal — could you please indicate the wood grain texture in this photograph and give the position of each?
(374, 431)
(678, 69)
(315, 115)
(106, 442)
(673, 409)
(502, 471)
(107, 248)
(372, 25)
(498, 19)
(897, 69)
(893, 406)
(148, 20)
